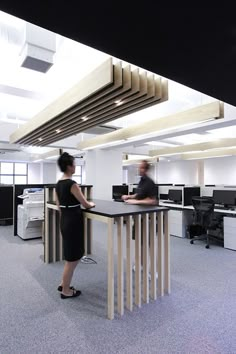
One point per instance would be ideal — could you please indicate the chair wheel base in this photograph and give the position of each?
(191, 242)
(207, 246)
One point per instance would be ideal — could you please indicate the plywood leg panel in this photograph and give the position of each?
(129, 279)
(85, 236)
(160, 254)
(110, 271)
(89, 236)
(120, 274)
(167, 253)
(138, 260)
(153, 247)
(145, 259)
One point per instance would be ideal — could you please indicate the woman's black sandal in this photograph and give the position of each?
(60, 288)
(75, 294)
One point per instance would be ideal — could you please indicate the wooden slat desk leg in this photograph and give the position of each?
(153, 250)
(110, 265)
(89, 236)
(145, 258)
(160, 254)
(46, 228)
(120, 275)
(137, 260)
(129, 279)
(54, 240)
(85, 235)
(167, 253)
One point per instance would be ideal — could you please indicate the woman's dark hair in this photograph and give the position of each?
(64, 161)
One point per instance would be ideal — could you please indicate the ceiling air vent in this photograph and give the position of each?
(38, 49)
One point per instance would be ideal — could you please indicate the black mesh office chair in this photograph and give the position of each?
(203, 222)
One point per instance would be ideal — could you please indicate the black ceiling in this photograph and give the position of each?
(195, 46)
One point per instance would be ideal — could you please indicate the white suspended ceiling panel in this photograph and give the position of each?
(107, 93)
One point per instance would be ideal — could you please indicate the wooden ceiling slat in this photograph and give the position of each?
(136, 91)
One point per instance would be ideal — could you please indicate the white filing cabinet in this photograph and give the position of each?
(178, 221)
(230, 233)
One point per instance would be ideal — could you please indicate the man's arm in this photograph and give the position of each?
(145, 201)
(127, 197)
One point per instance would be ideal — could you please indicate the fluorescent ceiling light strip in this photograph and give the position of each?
(209, 154)
(103, 145)
(212, 145)
(51, 157)
(151, 128)
(13, 121)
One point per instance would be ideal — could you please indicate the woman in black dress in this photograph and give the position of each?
(69, 197)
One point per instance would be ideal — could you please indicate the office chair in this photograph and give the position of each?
(203, 223)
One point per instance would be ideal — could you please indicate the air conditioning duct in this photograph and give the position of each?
(38, 49)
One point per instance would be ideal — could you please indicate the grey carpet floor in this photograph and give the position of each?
(198, 317)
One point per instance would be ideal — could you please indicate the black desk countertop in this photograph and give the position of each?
(114, 209)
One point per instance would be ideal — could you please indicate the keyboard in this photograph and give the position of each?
(169, 202)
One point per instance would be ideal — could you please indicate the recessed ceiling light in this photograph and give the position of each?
(58, 131)
(84, 118)
(159, 143)
(119, 102)
(40, 139)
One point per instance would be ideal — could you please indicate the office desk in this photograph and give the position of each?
(179, 222)
(110, 212)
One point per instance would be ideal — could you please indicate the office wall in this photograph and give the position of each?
(103, 169)
(49, 172)
(34, 173)
(221, 170)
(185, 172)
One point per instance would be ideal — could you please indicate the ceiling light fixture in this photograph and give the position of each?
(209, 154)
(84, 118)
(103, 145)
(160, 143)
(152, 128)
(58, 131)
(119, 103)
(94, 96)
(13, 121)
(199, 147)
(40, 139)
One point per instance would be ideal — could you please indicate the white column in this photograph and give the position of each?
(103, 169)
(201, 172)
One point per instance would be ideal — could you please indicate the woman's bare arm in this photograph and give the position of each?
(77, 193)
(58, 205)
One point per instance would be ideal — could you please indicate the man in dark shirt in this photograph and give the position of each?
(146, 194)
(146, 191)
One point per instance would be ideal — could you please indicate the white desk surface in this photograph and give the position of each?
(190, 207)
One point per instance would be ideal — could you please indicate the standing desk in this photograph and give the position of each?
(111, 212)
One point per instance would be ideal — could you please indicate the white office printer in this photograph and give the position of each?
(30, 214)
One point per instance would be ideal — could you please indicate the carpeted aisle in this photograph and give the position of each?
(198, 317)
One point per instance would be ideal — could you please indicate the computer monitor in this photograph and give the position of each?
(175, 195)
(118, 191)
(224, 197)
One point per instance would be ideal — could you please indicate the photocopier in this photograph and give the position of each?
(30, 214)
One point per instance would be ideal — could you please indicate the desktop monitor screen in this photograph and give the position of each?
(118, 191)
(175, 195)
(224, 197)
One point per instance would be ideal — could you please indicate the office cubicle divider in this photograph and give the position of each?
(6, 204)
(189, 193)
